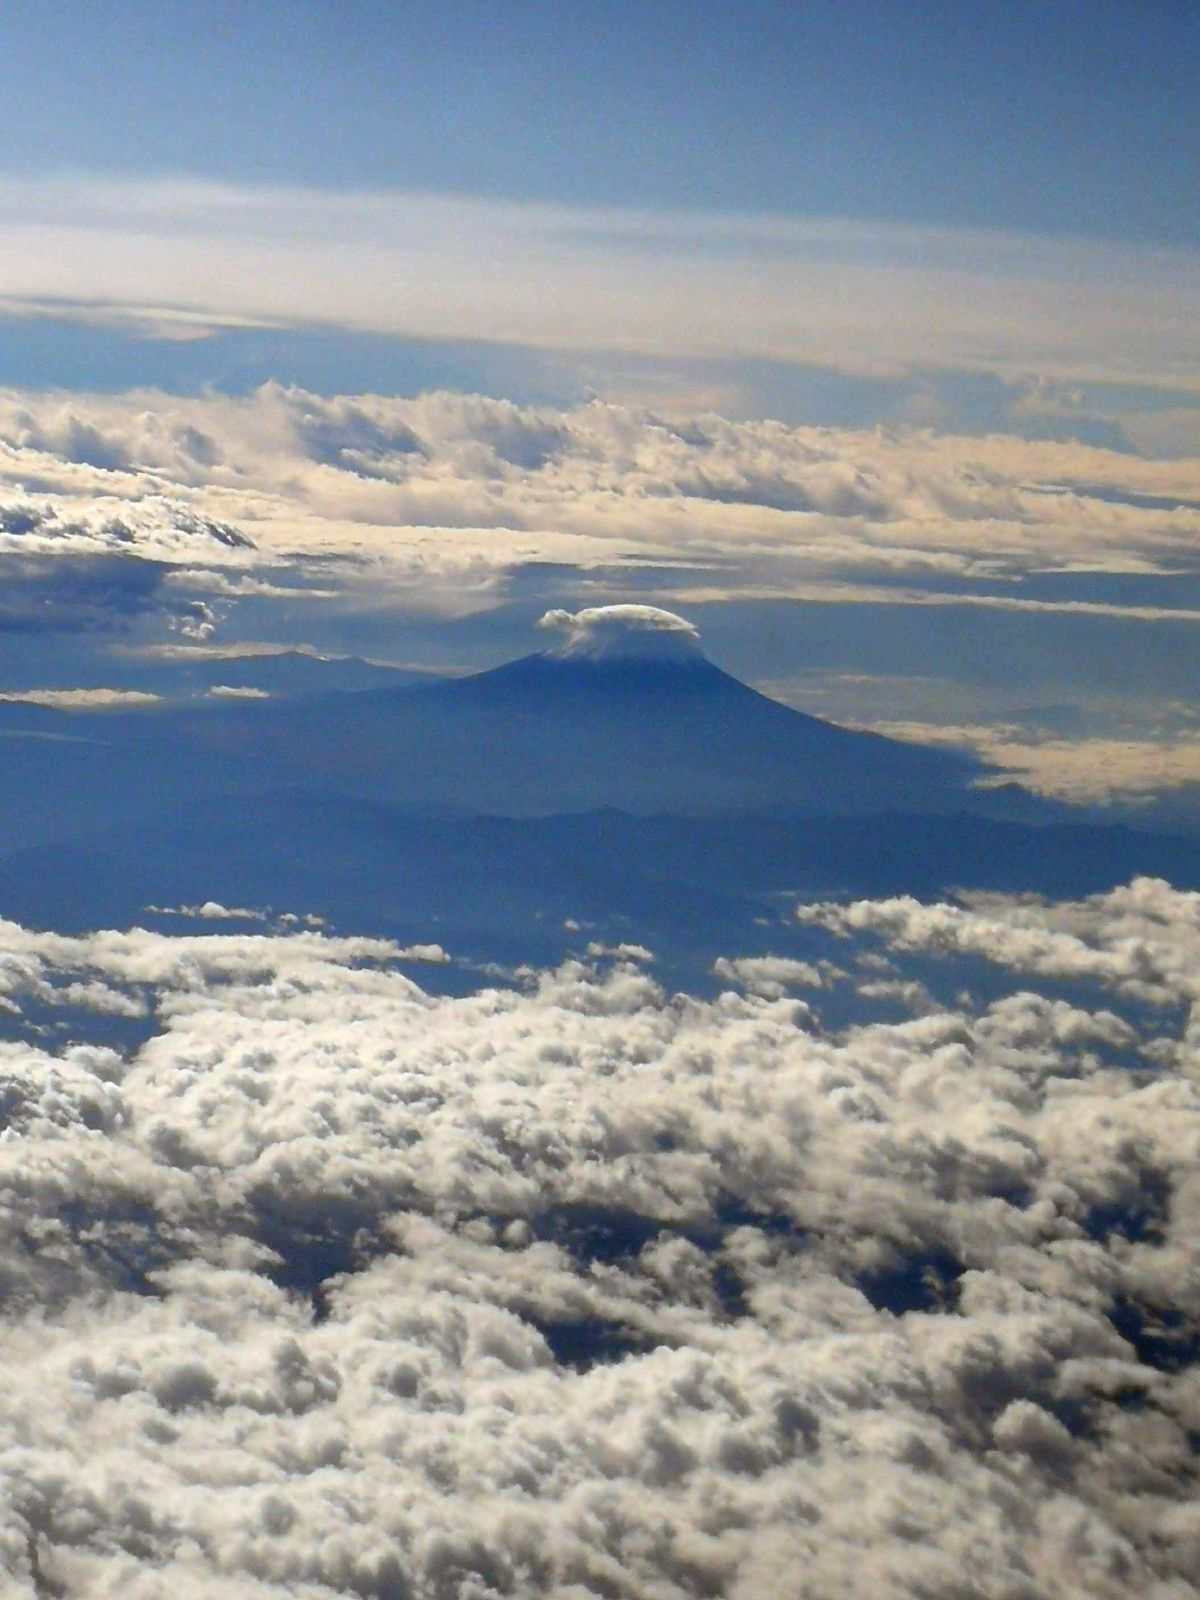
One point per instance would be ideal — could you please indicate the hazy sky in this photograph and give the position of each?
(691, 202)
(1073, 116)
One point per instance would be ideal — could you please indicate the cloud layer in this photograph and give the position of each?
(178, 511)
(316, 1284)
(180, 256)
(219, 481)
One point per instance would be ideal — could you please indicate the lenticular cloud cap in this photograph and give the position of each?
(621, 632)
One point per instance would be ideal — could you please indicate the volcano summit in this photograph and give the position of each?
(623, 633)
(619, 777)
(626, 711)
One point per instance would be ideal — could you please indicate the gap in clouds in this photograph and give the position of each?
(107, 348)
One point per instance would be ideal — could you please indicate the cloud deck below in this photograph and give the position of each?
(317, 1284)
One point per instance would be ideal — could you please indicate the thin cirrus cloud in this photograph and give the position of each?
(183, 255)
(327, 1285)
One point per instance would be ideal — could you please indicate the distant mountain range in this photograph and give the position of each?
(514, 890)
(616, 785)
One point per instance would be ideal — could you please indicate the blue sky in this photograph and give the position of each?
(1073, 116)
(663, 203)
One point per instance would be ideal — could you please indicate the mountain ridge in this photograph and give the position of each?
(627, 712)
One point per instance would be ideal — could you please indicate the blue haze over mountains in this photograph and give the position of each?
(618, 785)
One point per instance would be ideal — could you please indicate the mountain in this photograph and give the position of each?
(616, 785)
(282, 672)
(192, 672)
(626, 712)
(516, 890)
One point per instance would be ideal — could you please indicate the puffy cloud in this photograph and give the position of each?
(1141, 940)
(151, 526)
(770, 976)
(371, 476)
(321, 1285)
(83, 699)
(212, 911)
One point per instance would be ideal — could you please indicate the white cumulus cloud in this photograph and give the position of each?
(321, 1285)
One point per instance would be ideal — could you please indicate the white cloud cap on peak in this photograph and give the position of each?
(617, 633)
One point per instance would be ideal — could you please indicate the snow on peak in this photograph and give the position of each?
(623, 633)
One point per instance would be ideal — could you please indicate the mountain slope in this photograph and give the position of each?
(627, 723)
(628, 713)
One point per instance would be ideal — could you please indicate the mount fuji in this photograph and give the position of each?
(624, 711)
(618, 781)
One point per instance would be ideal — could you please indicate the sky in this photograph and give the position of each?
(808, 211)
(1074, 117)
